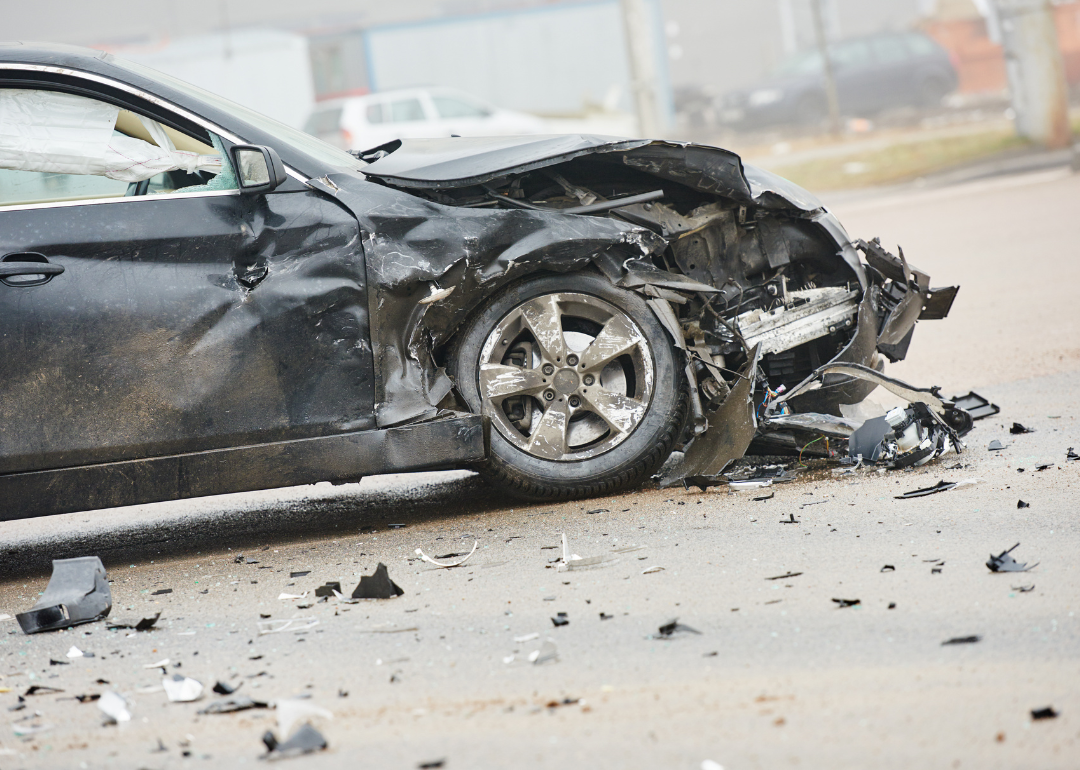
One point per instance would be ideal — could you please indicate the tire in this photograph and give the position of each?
(546, 388)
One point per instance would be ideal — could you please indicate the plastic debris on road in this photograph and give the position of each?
(233, 703)
(286, 624)
(941, 486)
(1017, 429)
(962, 640)
(114, 706)
(182, 689)
(377, 585)
(305, 740)
(841, 603)
(78, 592)
(672, 627)
(142, 624)
(1004, 562)
(458, 563)
(547, 653)
(1044, 713)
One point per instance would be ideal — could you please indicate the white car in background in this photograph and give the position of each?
(363, 122)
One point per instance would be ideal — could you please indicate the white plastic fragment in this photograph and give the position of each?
(114, 706)
(21, 728)
(526, 638)
(740, 485)
(75, 652)
(573, 561)
(293, 596)
(291, 710)
(160, 664)
(651, 570)
(7, 617)
(457, 563)
(283, 625)
(182, 689)
(436, 294)
(708, 764)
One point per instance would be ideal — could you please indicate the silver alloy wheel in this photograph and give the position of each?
(566, 376)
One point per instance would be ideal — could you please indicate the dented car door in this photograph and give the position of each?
(180, 323)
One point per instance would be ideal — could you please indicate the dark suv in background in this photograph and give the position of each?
(873, 74)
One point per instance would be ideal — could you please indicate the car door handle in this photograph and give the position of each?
(27, 263)
(29, 268)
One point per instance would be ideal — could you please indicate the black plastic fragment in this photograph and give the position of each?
(784, 576)
(304, 741)
(1022, 504)
(888, 568)
(1024, 589)
(791, 520)
(1004, 562)
(162, 592)
(233, 703)
(1071, 455)
(840, 603)
(1044, 466)
(597, 510)
(302, 573)
(377, 585)
(560, 619)
(892, 605)
(769, 496)
(328, 589)
(673, 626)
(88, 698)
(143, 624)
(78, 592)
(1044, 713)
(432, 764)
(1017, 429)
(605, 616)
(962, 640)
(996, 446)
(975, 405)
(34, 689)
(941, 486)
(224, 688)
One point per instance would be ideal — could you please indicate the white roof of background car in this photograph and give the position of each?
(401, 93)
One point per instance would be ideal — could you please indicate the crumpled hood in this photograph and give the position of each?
(461, 162)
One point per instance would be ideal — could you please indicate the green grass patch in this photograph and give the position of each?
(899, 162)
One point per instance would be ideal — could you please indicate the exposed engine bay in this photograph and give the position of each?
(756, 281)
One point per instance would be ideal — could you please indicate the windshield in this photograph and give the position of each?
(316, 148)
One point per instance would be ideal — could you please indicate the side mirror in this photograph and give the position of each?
(258, 168)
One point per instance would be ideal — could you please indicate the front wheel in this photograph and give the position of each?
(580, 381)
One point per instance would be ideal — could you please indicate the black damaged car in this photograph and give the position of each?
(196, 299)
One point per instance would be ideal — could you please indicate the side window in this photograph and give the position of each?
(449, 107)
(852, 55)
(920, 45)
(406, 110)
(890, 50)
(57, 146)
(374, 113)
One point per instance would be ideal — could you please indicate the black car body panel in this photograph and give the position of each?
(221, 342)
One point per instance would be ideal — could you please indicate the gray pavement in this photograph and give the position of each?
(778, 676)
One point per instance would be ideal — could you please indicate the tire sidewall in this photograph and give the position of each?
(649, 432)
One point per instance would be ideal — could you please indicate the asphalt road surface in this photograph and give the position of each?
(778, 673)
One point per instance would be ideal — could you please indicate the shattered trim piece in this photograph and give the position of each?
(446, 565)
(78, 592)
(283, 625)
